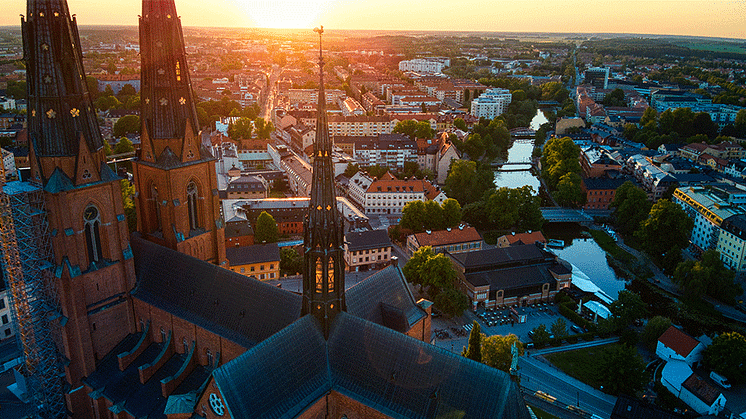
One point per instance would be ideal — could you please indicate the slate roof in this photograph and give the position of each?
(257, 253)
(370, 239)
(514, 281)
(393, 373)
(525, 238)
(388, 287)
(245, 311)
(630, 408)
(679, 341)
(602, 183)
(237, 227)
(494, 257)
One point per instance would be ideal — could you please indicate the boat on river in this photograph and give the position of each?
(556, 243)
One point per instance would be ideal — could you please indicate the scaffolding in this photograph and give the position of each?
(27, 260)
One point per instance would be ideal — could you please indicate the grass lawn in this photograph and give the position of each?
(542, 414)
(580, 364)
(608, 244)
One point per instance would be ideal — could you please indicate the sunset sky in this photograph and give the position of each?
(722, 18)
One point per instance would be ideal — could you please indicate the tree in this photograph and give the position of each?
(266, 230)
(125, 91)
(290, 261)
(707, 276)
(560, 157)
(128, 124)
(104, 103)
(423, 130)
(569, 191)
(413, 266)
(703, 124)
(460, 124)
(726, 356)
(377, 171)
(451, 213)
(433, 216)
(631, 207)
(627, 308)
(653, 330)
(559, 328)
(107, 148)
(540, 335)
(451, 302)
(496, 351)
(516, 207)
(739, 124)
(474, 350)
(467, 181)
(621, 369)
(351, 170)
(437, 274)
(124, 145)
(263, 128)
(650, 115)
(665, 232)
(413, 216)
(241, 129)
(406, 127)
(128, 192)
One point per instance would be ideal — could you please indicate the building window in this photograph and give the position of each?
(5, 319)
(2, 303)
(156, 209)
(319, 275)
(243, 270)
(192, 194)
(92, 220)
(330, 275)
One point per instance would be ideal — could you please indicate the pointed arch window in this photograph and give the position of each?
(319, 275)
(192, 194)
(92, 221)
(156, 208)
(330, 275)
(178, 71)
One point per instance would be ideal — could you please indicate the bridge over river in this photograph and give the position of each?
(565, 215)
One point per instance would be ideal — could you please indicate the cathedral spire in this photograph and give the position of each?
(323, 271)
(60, 111)
(168, 110)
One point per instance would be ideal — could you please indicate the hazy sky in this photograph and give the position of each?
(723, 18)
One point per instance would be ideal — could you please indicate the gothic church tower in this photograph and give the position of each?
(323, 270)
(90, 241)
(177, 201)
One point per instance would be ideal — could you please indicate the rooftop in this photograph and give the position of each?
(679, 341)
(257, 253)
(448, 236)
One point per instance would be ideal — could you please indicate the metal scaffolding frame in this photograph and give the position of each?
(26, 251)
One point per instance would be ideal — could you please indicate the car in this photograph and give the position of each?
(576, 329)
(720, 380)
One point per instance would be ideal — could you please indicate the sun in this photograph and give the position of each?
(284, 14)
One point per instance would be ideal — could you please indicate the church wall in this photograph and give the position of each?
(108, 327)
(229, 350)
(207, 341)
(335, 405)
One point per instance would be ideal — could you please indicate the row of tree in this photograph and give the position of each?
(560, 169)
(419, 216)
(435, 276)
(244, 128)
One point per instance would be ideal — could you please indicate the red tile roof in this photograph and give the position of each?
(526, 238)
(679, 341)
(445, 237)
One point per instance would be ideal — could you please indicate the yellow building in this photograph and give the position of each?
(261, 261)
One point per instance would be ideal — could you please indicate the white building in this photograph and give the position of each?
(491, 103)
(9, 163)
(707, 210)
(677, 345)
(697, 393)
(312, 95)
(388, 195)
(424, 65)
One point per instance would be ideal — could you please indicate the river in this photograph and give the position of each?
(520, 152)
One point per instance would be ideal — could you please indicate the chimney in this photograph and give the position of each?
(394, 261)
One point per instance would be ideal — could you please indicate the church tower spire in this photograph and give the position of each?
(177, 202)
(93, 265)
(62, 123)
(323, 271)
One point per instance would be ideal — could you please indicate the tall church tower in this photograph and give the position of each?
(92, 259)
(323, 271)
(177, 199)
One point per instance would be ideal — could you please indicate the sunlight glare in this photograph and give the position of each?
(284, 14)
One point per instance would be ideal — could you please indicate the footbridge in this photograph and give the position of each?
(565, 215)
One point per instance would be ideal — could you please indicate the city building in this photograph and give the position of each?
(597, 77)
(367, 249)
(312, 95)
(491, 104)
(7, 329)
(425, 65)
(388, 195)
(451, 240)
(651, 177)
(261, 261)
(9, 163)
(238, 232)
(389, 150)
(340, 125)
(599, 192)
(514, 275)
(732, 242)
(674, 344)
(597, 162)
(708, 207)
(513, 239)
(688, 387)
(247, 187)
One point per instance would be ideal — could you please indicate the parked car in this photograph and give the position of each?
(719, 380)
